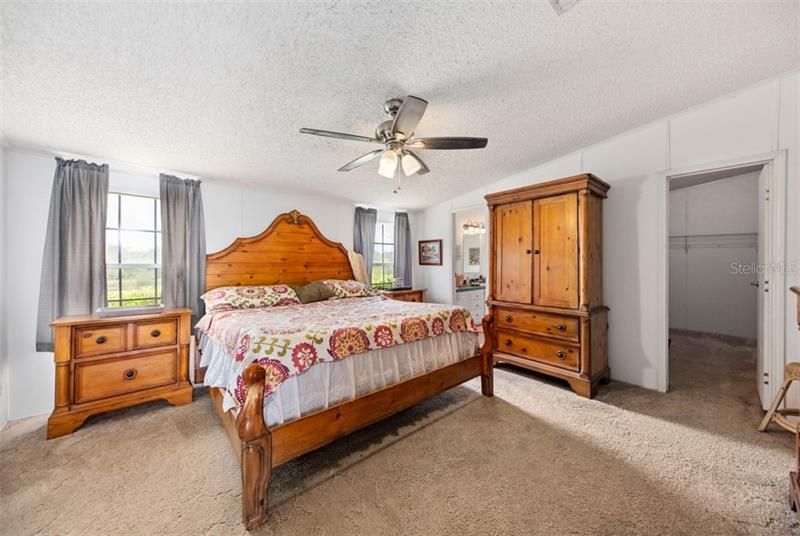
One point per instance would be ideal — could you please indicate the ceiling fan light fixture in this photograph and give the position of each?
(388, 164)
(399, 142)
(410, 164)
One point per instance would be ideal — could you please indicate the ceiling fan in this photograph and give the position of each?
(397, 137)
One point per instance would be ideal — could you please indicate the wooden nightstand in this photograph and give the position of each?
(103, 364)
(412, 295)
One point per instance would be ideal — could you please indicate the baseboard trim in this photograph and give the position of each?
(730, 339)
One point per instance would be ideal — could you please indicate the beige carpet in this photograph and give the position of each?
(535, 459)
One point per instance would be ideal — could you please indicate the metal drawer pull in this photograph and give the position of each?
(130, 374)
(561, 355)
(155, 333)
(561, 327)
(101, 339)
(508, 342)
(509, 319)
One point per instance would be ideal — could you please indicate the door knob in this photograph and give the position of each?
(754, 284)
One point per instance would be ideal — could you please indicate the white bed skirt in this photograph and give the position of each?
(333, 382)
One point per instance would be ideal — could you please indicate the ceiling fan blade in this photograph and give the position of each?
(361, 160)
(423, 169)
(340, 135)
(409, 116)
(448, 143)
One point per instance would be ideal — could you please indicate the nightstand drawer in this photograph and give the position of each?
(406, 295)
(100, 340)
(155, 333)
(95, 380)
(552, 352)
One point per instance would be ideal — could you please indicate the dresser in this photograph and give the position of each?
(410, 295)
(103, 364)
(472, 299)
(546, 279)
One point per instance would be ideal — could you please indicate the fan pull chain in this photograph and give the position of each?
(396, 189)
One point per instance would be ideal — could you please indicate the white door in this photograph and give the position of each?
(760, 280)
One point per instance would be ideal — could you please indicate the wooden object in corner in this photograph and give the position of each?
(103, 364)
(411, 295)
(794, 476)
(546, 279)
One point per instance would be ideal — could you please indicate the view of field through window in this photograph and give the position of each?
(133, 250)
(383, 258)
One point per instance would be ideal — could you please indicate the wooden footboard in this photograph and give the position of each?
(261, 448)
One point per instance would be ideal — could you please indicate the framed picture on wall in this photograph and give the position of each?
(430, 252)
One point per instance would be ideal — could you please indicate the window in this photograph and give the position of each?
(383, 258)
(133, 250)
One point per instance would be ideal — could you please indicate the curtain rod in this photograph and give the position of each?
(382, 207)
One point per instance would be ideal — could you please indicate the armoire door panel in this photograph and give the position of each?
(555, 244)
(513, 253)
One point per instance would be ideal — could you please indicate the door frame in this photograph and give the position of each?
(452, 221)
(774, 306)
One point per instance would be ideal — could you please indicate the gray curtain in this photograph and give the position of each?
(183, 237)
(74, 264)
(364, 235)
(402, 248)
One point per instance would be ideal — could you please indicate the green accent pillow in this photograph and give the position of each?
(312, 292)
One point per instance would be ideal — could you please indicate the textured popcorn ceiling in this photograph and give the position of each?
(220, 90)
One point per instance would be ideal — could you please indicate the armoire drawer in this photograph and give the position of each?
(552, 352)
(539, 323)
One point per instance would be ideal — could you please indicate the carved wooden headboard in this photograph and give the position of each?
(291, 250)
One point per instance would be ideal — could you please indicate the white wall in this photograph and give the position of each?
(711, 226)
(231, 209)
(754, 121)
(3, 288)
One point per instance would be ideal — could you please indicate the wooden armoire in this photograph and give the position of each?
(546, 279)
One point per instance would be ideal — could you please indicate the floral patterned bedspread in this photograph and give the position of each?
(288, 340)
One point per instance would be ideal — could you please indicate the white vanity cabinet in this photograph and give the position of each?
(474, 300)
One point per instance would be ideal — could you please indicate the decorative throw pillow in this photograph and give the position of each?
(229, 298)
(349, 288)
(313, 292)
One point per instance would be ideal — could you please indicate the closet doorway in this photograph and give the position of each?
(725, 248)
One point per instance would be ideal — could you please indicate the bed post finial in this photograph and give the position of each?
(294, 217)
(256, 454)
(487, 364)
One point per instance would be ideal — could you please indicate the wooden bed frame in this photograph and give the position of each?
(292, 250)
